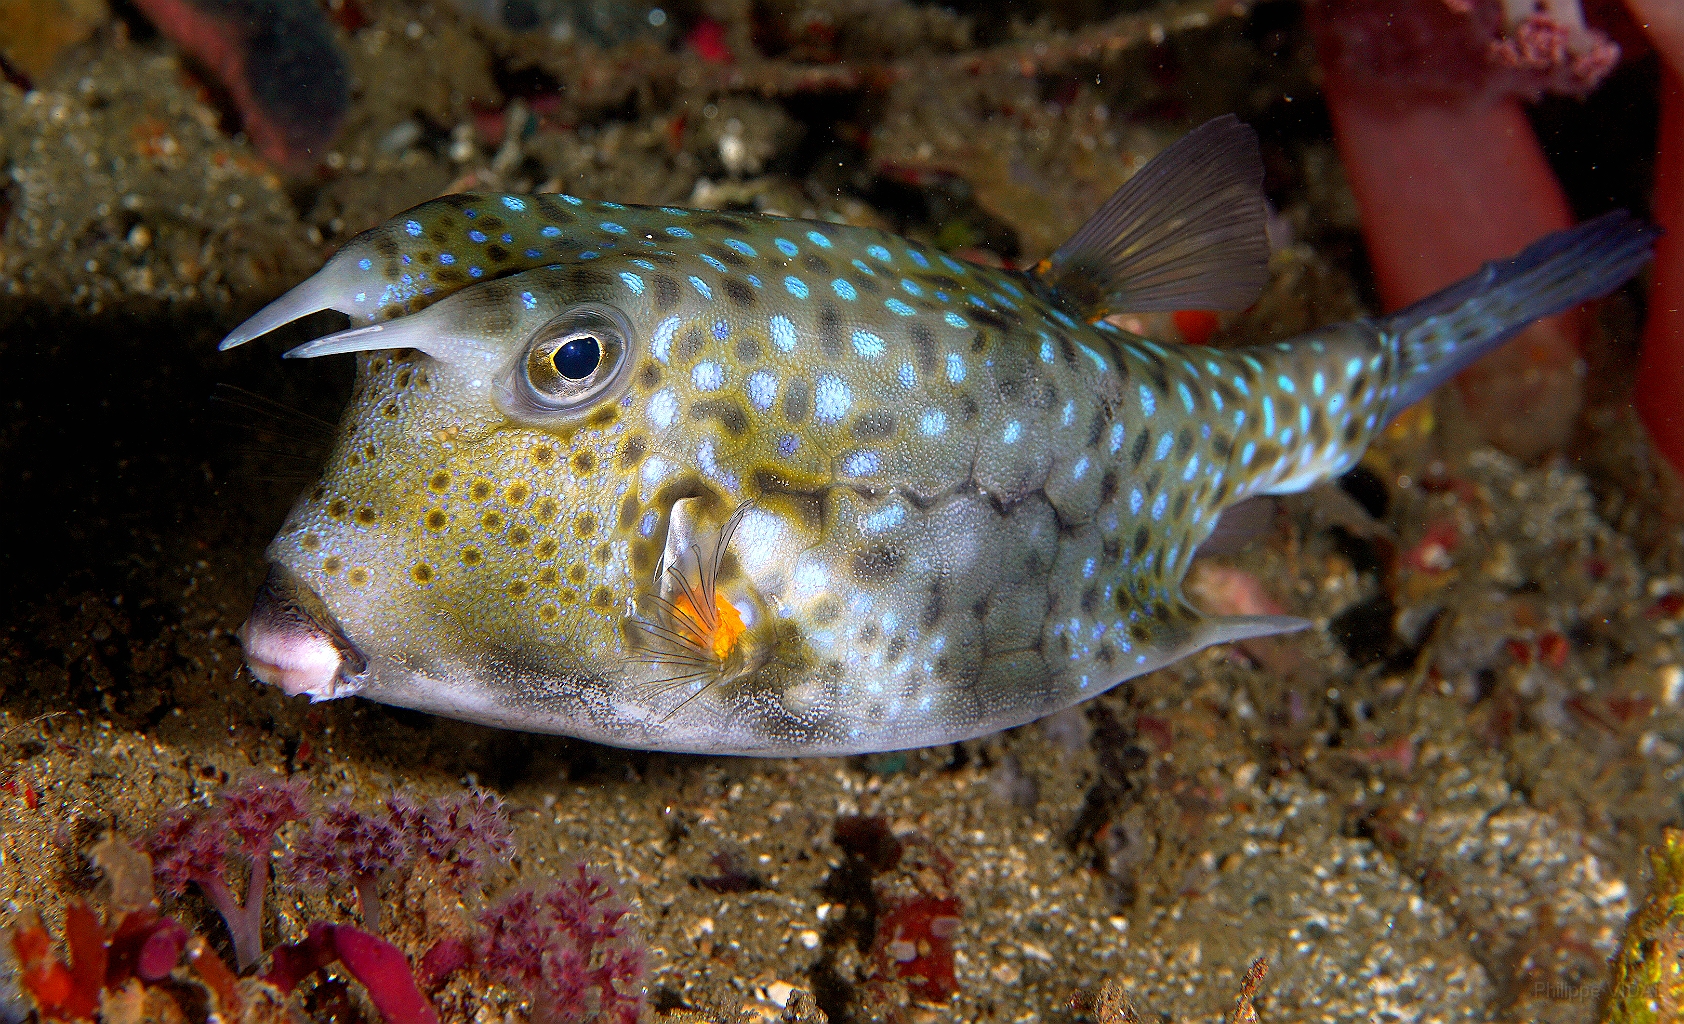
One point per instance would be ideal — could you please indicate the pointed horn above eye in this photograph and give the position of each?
(314, 294)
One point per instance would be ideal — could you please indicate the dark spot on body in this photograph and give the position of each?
(690, 345)
(924, 345)
(666, 292)
(1141, 443)
(875, 424)
(877, 564)
(648, 376)
(748, 349)
(1108, 485)
(933, 606)
(496, 253)
(632, 450)
(728, 414)
(798, 400)
(739, 292)
(816, 263)
(830, 329)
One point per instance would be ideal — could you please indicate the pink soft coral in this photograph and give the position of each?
(569, 947)
(193, 848)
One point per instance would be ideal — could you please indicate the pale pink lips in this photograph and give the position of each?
(291, 641)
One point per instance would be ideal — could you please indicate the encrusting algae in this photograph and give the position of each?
(1648, 982)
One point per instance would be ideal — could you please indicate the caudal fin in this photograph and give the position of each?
(1443, 333)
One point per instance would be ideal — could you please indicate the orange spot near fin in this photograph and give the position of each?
(717, 629)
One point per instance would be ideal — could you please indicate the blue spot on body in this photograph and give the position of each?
(612, 228)
(819, 240)
(476, 235)
(364, 263)
(528, 300)
(514, 204)
(877, 252)
(898, 307)
(831, 399)
(1046, 352)
(707, 376)
(446, 258)
(918, 257)
(956, 321)
(783, 333)
(1013, 431)
(1148, 401)
(715, 264)
(721, 330)
(910, 287)
(1159, 505)
(632, 281)
(1246, 454)
(475, 272)
(862, 463)
(1165, 442)
(1286, 383)
(678, 232)
(868, 344)
(661, 343)
(795, 286)
(571, 200)
(952, 264)
(701, 287)
(1186, 396)
(786, 247)
(741, 247)
(787, 444)
(550, 231)
(413, 228)
(533, 254)
(860, 265)
(955, 368)
(933, 423)
(645, 264)
(843, 289)
(508, 239)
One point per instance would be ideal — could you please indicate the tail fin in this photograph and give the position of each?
(1443, 333)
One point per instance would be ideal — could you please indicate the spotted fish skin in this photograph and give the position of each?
(939, 500)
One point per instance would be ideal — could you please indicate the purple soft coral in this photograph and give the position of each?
(193, 848)
(345, 843)
(461, 835)
(570, 948)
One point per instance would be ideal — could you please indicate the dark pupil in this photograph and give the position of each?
(577, 359)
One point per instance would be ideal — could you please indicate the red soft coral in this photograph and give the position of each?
(1425, 97)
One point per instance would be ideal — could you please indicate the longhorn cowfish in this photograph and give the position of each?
(698, 481)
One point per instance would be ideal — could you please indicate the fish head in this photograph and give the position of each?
(488, 522)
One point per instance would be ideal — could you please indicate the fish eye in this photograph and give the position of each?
(570, 362)
(578, 358)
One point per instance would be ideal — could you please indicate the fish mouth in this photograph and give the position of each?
(292, 641)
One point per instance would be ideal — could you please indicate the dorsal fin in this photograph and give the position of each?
(1188, 231)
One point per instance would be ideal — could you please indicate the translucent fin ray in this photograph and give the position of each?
(1188, 231)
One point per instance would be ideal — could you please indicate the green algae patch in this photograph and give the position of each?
(1649, 971)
